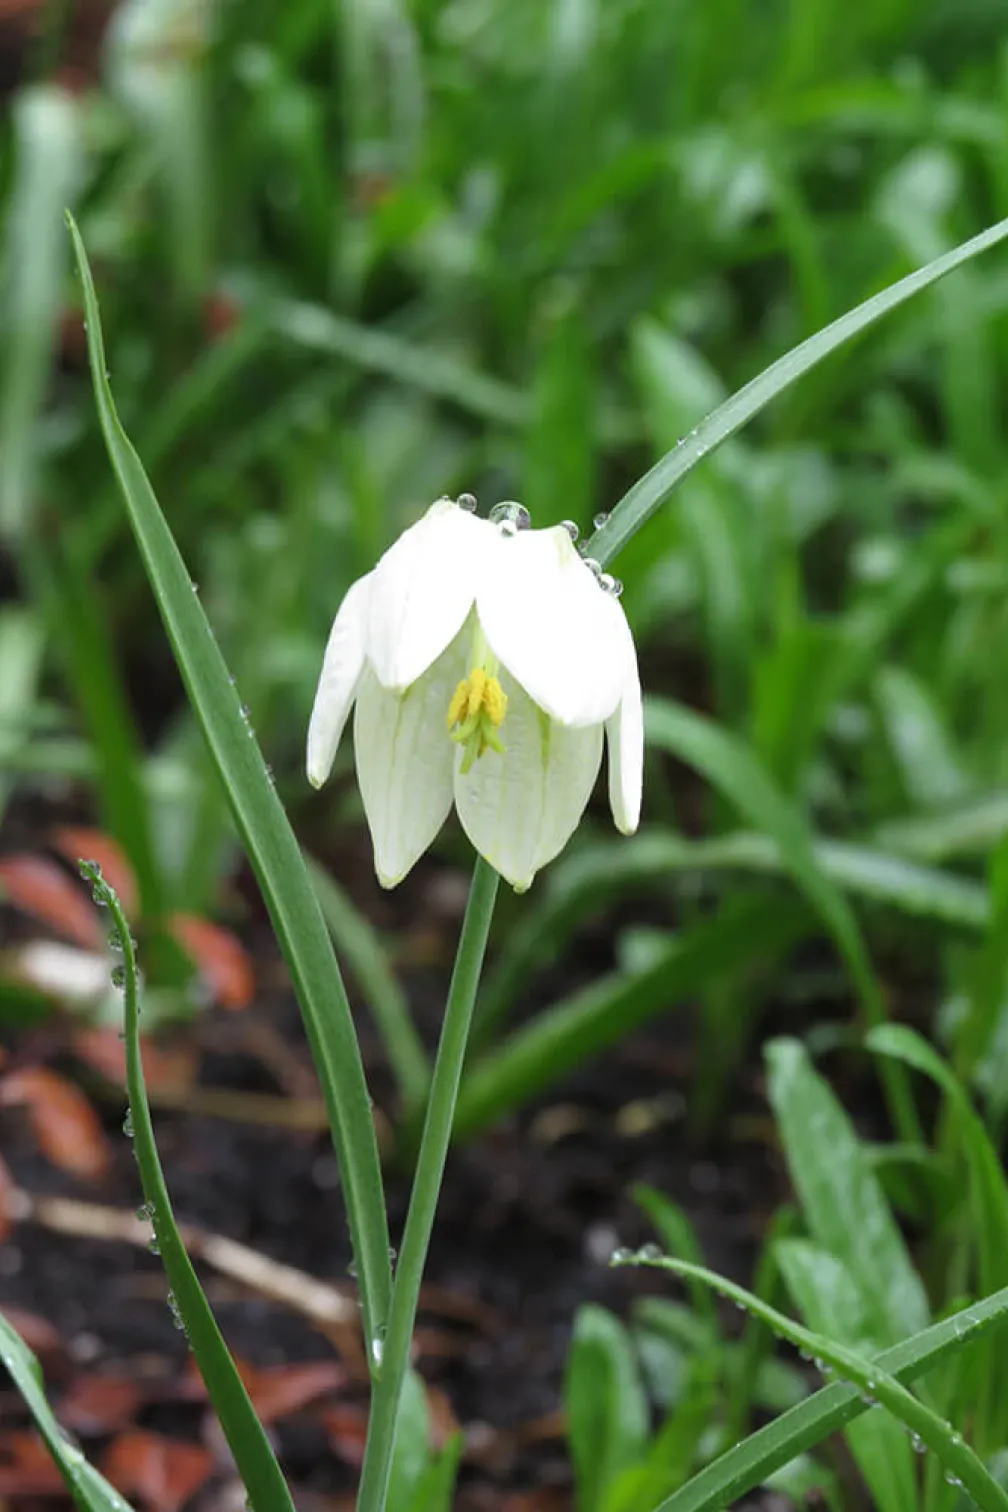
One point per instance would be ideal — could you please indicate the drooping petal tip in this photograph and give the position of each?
(342, 667)
(625, 740)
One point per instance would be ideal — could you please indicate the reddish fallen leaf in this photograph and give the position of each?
(100, 1404)
(220, 958)
(64, 1123)
(37, 1332)
(104, 1051)
(40, 887)
(10, 1201)
(346, 1429)
(27, 1468)
(164, 1473)
(278, 1391)
(76, 842)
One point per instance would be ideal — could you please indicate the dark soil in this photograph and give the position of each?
(529, 1215)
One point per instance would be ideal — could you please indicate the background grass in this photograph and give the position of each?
(352, 257)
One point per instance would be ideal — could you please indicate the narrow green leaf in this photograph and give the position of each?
(831, 1304)
(988, 1187)
(411, 1455)
(651, 491)
(430, 371)
(268, 838)
(841, 1197)
(90, 1490)
(868, 1376)
(246, 1436)
(679, 1238)
(607, 1411)
(732, 768)
(570, 1032)
(930, 768)
(597, 873)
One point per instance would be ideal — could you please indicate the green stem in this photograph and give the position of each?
(390, 1356)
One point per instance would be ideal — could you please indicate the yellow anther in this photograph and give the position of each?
(476, 713)
(477, 690)
(495, 702)
(459, 703)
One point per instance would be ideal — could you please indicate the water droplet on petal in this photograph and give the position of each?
(467, 501)
(617, 587)
(510, 513)
(606, 582)
(571, 528)
(649, 1252)
(595, 568)
(600, 520)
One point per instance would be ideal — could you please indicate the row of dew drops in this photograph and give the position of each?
(101, 892)
(511, 517)
(648, 1253)
(146, 1212)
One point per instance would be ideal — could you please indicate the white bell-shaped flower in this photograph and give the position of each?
(485, 661)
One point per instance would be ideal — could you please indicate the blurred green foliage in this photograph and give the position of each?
(354, 256)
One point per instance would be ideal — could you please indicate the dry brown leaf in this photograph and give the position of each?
(42, 888)
(346, 1428)
(164, 1068)
(101, 1403)
(64, 1123)
(164, 1473)
(278, 1391)
(220, 958)
(26, 1466)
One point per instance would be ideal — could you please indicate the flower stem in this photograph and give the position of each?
(390, 1356)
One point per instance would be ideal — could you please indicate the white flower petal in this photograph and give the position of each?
(424, 587)
(562, 637)
(405, 757)
(519, 809)
(625, 741)
(341, 671)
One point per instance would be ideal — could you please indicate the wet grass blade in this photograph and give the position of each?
(841, 1196)
(870, 1377)
(268, 838)
(595, 876)
(650, 492)
(247, 1439)
(568, 1033)
(730, 767)
(90, 1490)
(989, 1189)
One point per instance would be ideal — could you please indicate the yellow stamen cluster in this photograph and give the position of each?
(476, 713)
